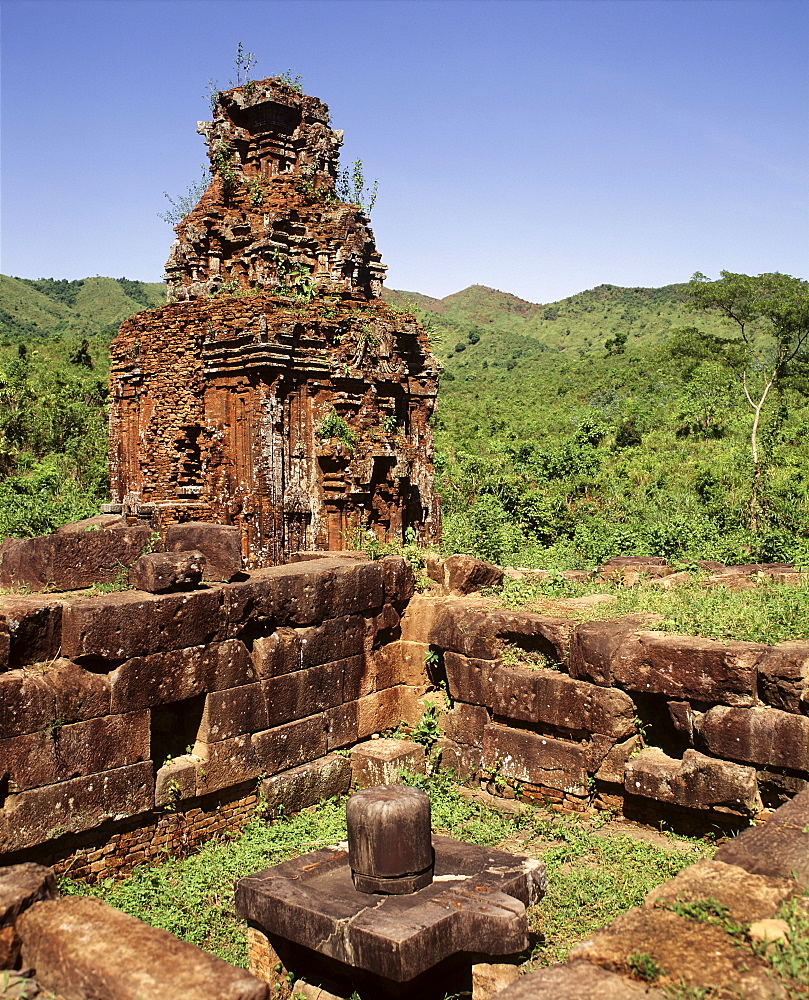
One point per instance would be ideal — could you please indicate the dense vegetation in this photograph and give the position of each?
(608, 423)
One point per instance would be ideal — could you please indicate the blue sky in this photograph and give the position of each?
(541, 148)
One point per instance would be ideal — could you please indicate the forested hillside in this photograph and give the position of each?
(608, 423)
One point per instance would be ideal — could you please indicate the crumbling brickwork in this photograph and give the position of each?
(276, 391)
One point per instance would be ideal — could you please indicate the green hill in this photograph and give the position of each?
(48, 307)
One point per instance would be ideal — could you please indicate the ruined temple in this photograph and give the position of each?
(275, 391)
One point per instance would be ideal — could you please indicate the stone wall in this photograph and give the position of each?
(133, 722)
(614, 713)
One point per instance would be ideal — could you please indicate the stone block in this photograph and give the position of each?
(469, 679)
(463, 760)
(161, 572)
(382, 628)
(378, 712)
(612, 767)
(490, 978)
(233, 712)
(756, 735)
(27, 702)
(288, 746)
(550, 698)
(306, 785)
(78, 693)
(696, 781)
(594, 644)
(398, 663)
(700, 955)
(61, 751)
(779, 848)
(539, 760)
(146, 681)
(71, 560)
(465, 724)
(176, 781)
(578, 981)
(32, 629)
(32, 817)
(360, 586)
(398, 579)
(685, 666)
(288, 649)
(747, 897)
(379, 762)
(465, 574)
(83, 948)
(783, 676)
(122, 625)
(226, 763)
(220, 544)
(310, 691)
(20, 887)
(342, 725)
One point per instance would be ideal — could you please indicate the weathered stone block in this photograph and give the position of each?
(463, 760)
(20, 887)
(594, 644)
(310, 691)
(71, 560)
(758, 735)
(61, 752)
(697, 954)
(145, 681)
(469, 679)
(540, 760)
(359, 586)
(226, 763)
(342, 725)
(33, 626)
(399, 663)
(382, 628)
(398, 579)
(379, 762)
(78, 693)
(220, 544)
(747, 897)
(779, 848)
(613, 765)
(176, 781)
(32, 817)
(288, 649)
(696, 781)
(378, 711)
(578, 981)
(306, 785)
(119, 626)
(465, 574)
(290, 745)
(783, 675)
(83, 948)
(161, 572)
(551, 698)
(465, 724)
(233, 712)
(684, 666)
(27, 702)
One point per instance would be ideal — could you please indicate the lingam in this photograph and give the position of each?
(393, 912)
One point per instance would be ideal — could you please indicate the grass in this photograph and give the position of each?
(769, 613)
(591, 877)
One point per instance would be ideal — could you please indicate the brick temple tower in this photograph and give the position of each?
(275, 390)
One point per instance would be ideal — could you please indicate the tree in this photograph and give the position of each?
(770, 314)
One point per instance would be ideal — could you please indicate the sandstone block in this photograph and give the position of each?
(378, 711)
(83, 948)
(32, 629)
(696, 781)
(20, 887)
(612, 767)
(747, 897)
(578, 981)
(779, 848)
(465, 574)
(783, 674)
(306, 785)
(490, 978)
(465, 724)
(382, 628)
(226, 763)
(78, 693)
(220, 544)
(176, 781)
(61, 752)
(342, 725)
(360, 586)
(32, 817)
(27, 702)
(398, 579)
(684, 666)
(594, 644)
(701, 955)
(288, 649)
(379, 762)
(469, 679)
(233, 712)
(310, 691)
(161, 572)
(540, 760)
(119, 626)
(290, 745)
(146, 681)
(399, 663)
(71, 560)
(757, 735)
(551, 698)
(463, 760)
